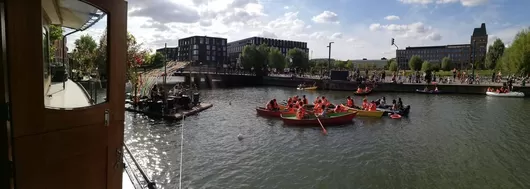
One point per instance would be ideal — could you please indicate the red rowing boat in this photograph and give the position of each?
(269, 113)
(340, 118)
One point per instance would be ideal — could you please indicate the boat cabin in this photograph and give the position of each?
(57, 131)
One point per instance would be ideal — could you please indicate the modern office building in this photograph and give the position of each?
(235, 48)
(462, 55)
(203, 50)
(171, 53)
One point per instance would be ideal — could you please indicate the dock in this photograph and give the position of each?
(176, 116)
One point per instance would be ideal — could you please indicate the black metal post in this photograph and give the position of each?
(329, 59)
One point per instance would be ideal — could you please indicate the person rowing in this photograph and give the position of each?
(316, 100)
(304, 100)
(382, 102)
(300, 113)
(365, 104)
(323, 112)
(394, 105)
(270, 105)
(400, 104)
(325, 101)
(340, 108)
(275, 105)
(349, 102)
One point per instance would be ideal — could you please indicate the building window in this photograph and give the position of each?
(195, 46)
(213, 57)
(224, 48)
(195, 52)
(195, 57)
(207, 57)
(202, 40)
(207, 47)
(207, 40)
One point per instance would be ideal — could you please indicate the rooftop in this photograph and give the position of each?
(477, 32)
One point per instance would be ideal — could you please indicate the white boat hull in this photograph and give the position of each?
(509, 94)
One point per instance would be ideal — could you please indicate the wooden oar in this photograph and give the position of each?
(321, 125)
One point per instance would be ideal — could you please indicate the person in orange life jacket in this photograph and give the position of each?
(304, 100)
(316, 100)
(323, 111)
(366, 89)
(300, 113)
(291, 108)
(365, 104)
(339, 108)
(289, 101)
(318, 106)
(296, 98)
(349, 102)
(359, 90)
(325, 101)
(372, 107)
(270, 105)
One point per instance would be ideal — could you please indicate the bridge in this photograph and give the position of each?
(224, 77)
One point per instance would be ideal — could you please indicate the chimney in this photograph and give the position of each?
(483, 26)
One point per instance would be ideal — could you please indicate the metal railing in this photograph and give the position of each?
(140, 184)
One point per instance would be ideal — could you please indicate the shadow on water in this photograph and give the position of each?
(447, 141)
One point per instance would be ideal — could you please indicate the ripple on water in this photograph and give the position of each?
(448, 141)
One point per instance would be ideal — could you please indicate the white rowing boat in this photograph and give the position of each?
(508, 94)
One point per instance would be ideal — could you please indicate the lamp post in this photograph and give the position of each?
(329, 59)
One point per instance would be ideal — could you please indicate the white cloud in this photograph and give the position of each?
(466, 3)
(286, 7)
(392, 17)
(337, 35)
(237, 19)
(326, 17)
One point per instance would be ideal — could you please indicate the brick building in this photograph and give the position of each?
(462, 55)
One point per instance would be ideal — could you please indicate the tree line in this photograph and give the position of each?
(262, 57)
(89, 55)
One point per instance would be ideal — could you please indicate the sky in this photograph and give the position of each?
(358, 28)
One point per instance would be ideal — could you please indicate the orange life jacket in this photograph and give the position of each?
(365, 105)
(300, 113)
(325, 102)
(339, 108)
(349, 103)
(373, 107)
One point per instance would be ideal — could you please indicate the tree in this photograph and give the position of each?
(276, 59)
(135, 58)
(299, 59)
(388, 62)
(494, 54)
(84, 53)
(349, 65)
(393, 66)
(415, 63)
(157, 59)
(341, 65)
(447, 64)
(255, 57)
(435, 67)
(426, 66)
(56, 33)
(516, 58)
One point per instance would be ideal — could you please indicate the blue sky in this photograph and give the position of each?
(358, 27)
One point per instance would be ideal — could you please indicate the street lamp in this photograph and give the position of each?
(329, 59)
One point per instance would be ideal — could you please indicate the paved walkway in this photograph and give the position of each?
(72, 96)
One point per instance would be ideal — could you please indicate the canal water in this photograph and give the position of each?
(448, 141)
